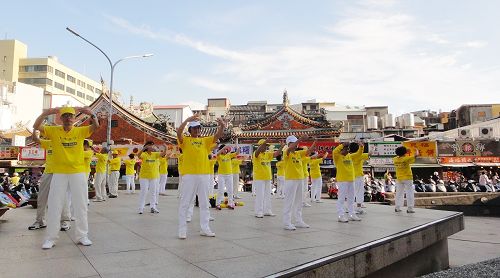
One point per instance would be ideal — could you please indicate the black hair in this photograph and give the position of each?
(221, 146)
(353, 147)
(278, 157)
(86, 143)
(400, 151)
(131, 155)
(209, 156)
(149, 143)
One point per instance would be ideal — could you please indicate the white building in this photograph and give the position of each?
(174, 114)
(20, 104)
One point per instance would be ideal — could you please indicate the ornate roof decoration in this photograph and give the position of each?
(100, 107)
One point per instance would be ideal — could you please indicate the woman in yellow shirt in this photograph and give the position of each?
(225, 172)
(114, 167)
(345, 182)
(149, 175)
(262, 177)
(316, 178)
(358, 158)
(100, 175)
(163, 176)
(235, 165)
(280, 177)
(196, 171)
(130, 173)
(404, 179)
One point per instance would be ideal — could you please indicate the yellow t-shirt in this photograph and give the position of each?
(115, 164)
(150, 166)
(47, 145)
(343, 163)
(163, 166)
(315, 169)
(305, 163)
(15, 180)
(129, 166)
(262, 165)
(235, 164)
(196, 151)
(67, 148)
(87, 158)
(403, 168)
(102, 159)
(212, 165)
(281, 168)
(180, 162)
(293, 165)
(357, 161)
(224, 161)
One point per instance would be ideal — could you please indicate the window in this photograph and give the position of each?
(70, 90)
(90, 87)
(60, 73)
(80, 83)
(80, 94)
(59, 86)
(89, 98)
(97, 91)
(36, 81)
(35, 68)
(71, 78)
(114, 123)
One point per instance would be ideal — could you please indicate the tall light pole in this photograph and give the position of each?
(112, 68)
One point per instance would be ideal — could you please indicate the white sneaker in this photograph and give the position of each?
(85, 241)
(207, 233)
(65, 226)
(188, 219)
(397, 210)
(290, 227)
(269, 214)
(48, 244)
(363, 205)
(319, 201)
(306, 205)
(360, 211)
(259, 215)
(301, 225)
(410, 210)
(211, 218)
(354, 217)
(182, 235)
(343, 219)
(141, 211)
(237, 197)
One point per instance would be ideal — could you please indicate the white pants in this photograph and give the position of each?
(305, 191)
(179, 186)
(227, 182)
(162, 183)
(346, 191)
(293, 201)
(194, 185)
(59, 187)
(42, 198)
(113, 182)
(211, 185)
(130, 183)
(236, 184)
(402, 187)
(263, 198)
(100, 186)
(147, 186)
(317, 184)
(279, 187)
(359, 190)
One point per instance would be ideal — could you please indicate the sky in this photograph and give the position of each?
(408, 55)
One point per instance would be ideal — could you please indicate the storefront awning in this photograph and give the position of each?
(457, 165)
(487, 164)
(425, 165)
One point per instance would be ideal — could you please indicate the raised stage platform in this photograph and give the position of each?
(127, 244)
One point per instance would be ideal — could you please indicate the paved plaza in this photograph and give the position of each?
(127, 244)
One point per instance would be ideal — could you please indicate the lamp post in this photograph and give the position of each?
(112, 68)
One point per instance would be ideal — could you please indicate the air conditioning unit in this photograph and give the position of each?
(464, 133)
(486, 132)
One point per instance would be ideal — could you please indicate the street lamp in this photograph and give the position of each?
(112, 67)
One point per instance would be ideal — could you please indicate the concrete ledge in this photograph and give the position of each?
(374, 256)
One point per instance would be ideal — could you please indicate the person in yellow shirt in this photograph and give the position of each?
(212, 161)
(130, 173)
(15, 179)
(235, 165)
(115, 164)
(69, 171)
(87, 156)
(294, 176)
(404, 179)
(316, 178)
(262, 177)
(224, 157)
(280, 176)
(196, 172)
(163, 176)
(180, 162)
(149, 175)
(358, 158)
(100, 175)
(345, 182)
(305, 181)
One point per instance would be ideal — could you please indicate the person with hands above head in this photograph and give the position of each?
(225, 171)
(262, 177)
(316, 179)
(196, 171)
(356, 149)
(404, 179)
(294, 177)
(69, 170)
(100, 175)
(345, 182)
(149, 175)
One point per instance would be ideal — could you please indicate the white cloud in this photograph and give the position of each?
(371, 56)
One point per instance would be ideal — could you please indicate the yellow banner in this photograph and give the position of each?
(425, 148)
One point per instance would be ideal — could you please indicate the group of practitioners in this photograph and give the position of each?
(64, 190)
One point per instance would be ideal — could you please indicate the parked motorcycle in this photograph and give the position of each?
(440, 187)
(378, 193)
(390, 186)
(469, 186)
(451, 186)
(430, 186)
(419, 185)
